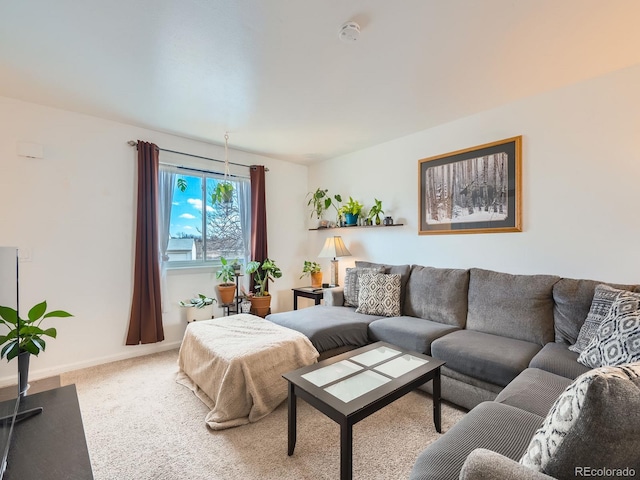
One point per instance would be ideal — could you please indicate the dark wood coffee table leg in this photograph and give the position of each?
(346, 450)
(437, 419)
(292, 404)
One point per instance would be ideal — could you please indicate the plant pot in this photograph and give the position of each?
(193, 314)
(351, 219)
(226, 293)
(23, 373)
(316, 279)
(245, 306)
(260, 305)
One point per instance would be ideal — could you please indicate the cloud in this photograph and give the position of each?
(188, 216)
(195, 203)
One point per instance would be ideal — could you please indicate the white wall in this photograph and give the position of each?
(581, 201)
(75, 211)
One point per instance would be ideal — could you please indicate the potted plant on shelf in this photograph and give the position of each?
(226, 289)
(25, 337)
(245, 304)
(320, 201)
(314, 270)
(375, 211)
(351, 210)
(262, 273)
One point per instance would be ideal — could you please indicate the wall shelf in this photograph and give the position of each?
(357, 226)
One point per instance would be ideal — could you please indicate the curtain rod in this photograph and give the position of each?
(133, 143)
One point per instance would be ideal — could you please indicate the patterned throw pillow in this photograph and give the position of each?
(592, 423)
(617, 340)
(379, 294)
(352, 283)
(603, 298)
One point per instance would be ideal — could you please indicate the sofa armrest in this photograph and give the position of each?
(334, 297)
(482, 464)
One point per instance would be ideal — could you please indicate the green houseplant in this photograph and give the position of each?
(25, 336)
(375, 211)
(200, 301)
(314, 270)
(351, 210)
(223, 193)
(226, 289)
(320, 201)
(262, 273)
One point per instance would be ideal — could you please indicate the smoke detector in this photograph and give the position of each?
(349, 32)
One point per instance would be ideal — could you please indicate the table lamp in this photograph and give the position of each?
(333, 248)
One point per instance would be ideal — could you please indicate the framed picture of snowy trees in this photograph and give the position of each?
(476, 190)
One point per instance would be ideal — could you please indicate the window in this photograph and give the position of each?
(197, 228)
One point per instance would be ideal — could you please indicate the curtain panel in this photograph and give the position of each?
(258, 216)
(145, 321)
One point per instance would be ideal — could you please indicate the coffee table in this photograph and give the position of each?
(349, 387)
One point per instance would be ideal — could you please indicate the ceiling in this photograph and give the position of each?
(274, 74)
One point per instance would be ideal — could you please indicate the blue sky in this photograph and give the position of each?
(186, 213)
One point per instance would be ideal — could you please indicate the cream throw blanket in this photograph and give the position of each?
(235, 365)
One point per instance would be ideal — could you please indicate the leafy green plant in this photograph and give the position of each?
(200, 301)
(223, 193)
(353, 207)
(310, 267)
(182, 184)
(375, 211)
(29, 336)
(320, 200)
(262, 273)
(226, 272)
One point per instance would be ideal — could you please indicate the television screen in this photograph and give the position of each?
(9, 398)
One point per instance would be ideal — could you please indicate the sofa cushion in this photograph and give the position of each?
(352, 284)
(328, 327)
(501, 428)
(412, 333)
(403, 270)
(534, 390)
(617, 340)
(514, 306)
(438, 294)
(379, 294)
(573, 299)
(594, 423)
(557, 358)
(603, 298)
(491, 358)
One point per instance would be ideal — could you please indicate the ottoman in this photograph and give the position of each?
(235, 364)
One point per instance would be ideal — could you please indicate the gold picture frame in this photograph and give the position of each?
(475, 190)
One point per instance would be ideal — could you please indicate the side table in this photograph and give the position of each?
(307, 292)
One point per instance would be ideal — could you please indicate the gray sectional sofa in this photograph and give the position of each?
(505, 340)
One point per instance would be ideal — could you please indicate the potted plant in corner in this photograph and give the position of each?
(351, 210)
(25, 336)
(226, 289)
(262, 273)
(314, 270)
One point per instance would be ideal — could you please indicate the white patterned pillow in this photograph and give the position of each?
(590, 424)
(379, 294)
(352, 283)
(603, 298)
(617, 340)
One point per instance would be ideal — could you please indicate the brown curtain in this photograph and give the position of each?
(258, 216)
(145, 322)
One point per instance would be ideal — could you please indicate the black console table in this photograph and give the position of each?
(51, 445)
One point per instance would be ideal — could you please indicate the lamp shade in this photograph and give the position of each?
(334, 247)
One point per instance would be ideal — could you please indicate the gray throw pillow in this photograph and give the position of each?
(352, 283)
(379, 294)
(617, 340)
(594, 424)
(603, 298)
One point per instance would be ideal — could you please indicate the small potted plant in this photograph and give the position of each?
(375, 211)
(351, 210)
(319, 201)
(25, 336)
(245, 304)
(226, 289)
(314, 270)
(262, 273)
(223, 193)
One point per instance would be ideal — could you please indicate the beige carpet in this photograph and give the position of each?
(140, 424)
